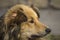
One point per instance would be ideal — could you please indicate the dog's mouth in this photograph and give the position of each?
(34, 37)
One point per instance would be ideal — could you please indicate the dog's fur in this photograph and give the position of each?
(22, 23)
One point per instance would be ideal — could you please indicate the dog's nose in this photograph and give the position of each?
(48, 30)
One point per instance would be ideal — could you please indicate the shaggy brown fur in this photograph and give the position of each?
(22, 23)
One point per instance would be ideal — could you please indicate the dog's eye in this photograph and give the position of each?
(31, 21)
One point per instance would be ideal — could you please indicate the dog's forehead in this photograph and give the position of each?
(28, 11)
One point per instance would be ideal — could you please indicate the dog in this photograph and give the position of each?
(22, 23)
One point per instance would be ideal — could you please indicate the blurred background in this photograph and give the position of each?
(49, 12)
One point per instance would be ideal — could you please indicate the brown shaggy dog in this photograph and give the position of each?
(22, 23)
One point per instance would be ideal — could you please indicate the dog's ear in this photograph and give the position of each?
(21, 17)
(36, 10)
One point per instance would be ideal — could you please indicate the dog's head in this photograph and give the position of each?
(28, 19)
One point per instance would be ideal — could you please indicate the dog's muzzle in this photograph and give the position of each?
(40, 35)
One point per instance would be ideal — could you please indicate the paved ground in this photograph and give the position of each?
(48, 16)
